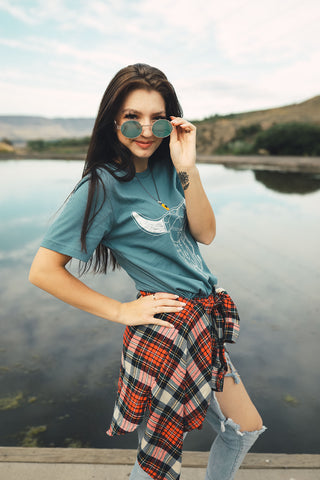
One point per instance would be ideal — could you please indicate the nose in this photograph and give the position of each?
(147, 131)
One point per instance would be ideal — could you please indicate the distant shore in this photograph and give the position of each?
(265, 162)
(255, 162)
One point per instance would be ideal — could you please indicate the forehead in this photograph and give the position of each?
(144, 101)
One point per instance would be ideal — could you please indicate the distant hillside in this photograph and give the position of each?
(212, 132)
(24, 128)
(217, 130)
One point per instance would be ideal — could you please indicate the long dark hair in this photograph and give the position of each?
(106, 152)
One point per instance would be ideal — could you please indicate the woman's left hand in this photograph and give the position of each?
(183, 143)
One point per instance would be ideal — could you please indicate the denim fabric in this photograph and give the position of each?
(229, 447)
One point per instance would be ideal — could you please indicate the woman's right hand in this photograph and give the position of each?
(142, 310)
(49, 273)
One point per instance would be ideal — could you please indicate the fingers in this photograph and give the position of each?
(183, 125)
(166, 303)
(163, 295)
(143, 310)
(161, 323)
(162, 302)
(161, 309)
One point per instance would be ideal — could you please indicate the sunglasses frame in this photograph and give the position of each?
(140, 126)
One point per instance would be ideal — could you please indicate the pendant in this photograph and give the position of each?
(163, 205)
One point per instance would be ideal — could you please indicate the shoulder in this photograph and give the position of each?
(108, 179)
(105, 182)
(90, 193)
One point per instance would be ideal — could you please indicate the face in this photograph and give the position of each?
(145, 107)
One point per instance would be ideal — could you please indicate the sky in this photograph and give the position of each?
(58, 56)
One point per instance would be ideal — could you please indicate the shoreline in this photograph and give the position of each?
(254, 162)
(265, 162)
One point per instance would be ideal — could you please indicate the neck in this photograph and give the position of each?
(141, 164)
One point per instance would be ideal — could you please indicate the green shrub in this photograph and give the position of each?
(7, 141)
(71, 142)
(36, 145)
(235, 147)
(247, 131)
(58, 145)
(290, 139)
(243, 141)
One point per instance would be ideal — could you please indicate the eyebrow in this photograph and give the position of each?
(137, 111)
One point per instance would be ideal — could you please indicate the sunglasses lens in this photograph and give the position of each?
(162, 128)
(131, 129)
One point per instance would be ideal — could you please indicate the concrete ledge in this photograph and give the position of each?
(256, 461)
(265, 162)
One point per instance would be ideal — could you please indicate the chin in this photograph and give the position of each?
(143, 154)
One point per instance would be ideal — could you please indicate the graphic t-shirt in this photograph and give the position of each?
(152, 244)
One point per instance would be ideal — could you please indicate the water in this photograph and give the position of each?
(59, 366)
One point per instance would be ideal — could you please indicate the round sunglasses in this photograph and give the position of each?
(132, 129)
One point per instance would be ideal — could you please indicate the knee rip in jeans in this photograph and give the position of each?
(233, 373)
(225, 422)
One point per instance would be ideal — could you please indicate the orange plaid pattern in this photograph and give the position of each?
(168, 375)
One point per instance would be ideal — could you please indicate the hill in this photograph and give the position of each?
(212, 132)
(215, 131)
(24, 128)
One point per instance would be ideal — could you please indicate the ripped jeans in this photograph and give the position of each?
(229, 447)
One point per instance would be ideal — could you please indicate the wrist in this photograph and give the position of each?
(116, 314)
(186, 174)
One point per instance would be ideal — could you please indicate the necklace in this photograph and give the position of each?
(155, 186)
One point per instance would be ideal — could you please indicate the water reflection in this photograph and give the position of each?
(59, 366)
(288, 182)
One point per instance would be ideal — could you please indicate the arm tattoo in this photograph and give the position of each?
(184, 179)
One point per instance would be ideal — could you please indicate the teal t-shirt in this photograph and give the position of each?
(153, 245)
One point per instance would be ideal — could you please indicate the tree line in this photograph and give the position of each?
(40, 145)
(294, 138)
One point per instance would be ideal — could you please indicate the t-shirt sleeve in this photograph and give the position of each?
(64, 234)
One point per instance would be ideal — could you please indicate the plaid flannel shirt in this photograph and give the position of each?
(167, 374)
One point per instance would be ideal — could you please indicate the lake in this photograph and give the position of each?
(59, 366)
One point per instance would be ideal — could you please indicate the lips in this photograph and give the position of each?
(143, 145)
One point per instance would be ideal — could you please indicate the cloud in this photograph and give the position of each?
(65, 49)
(268, 31)
(38, 12)
(304, 73)
(48, 101)
(101, 16)
(222, 58)
(218, 95)
(17, 11)
(181, 18)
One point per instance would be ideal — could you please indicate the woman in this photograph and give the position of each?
(141, 204)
